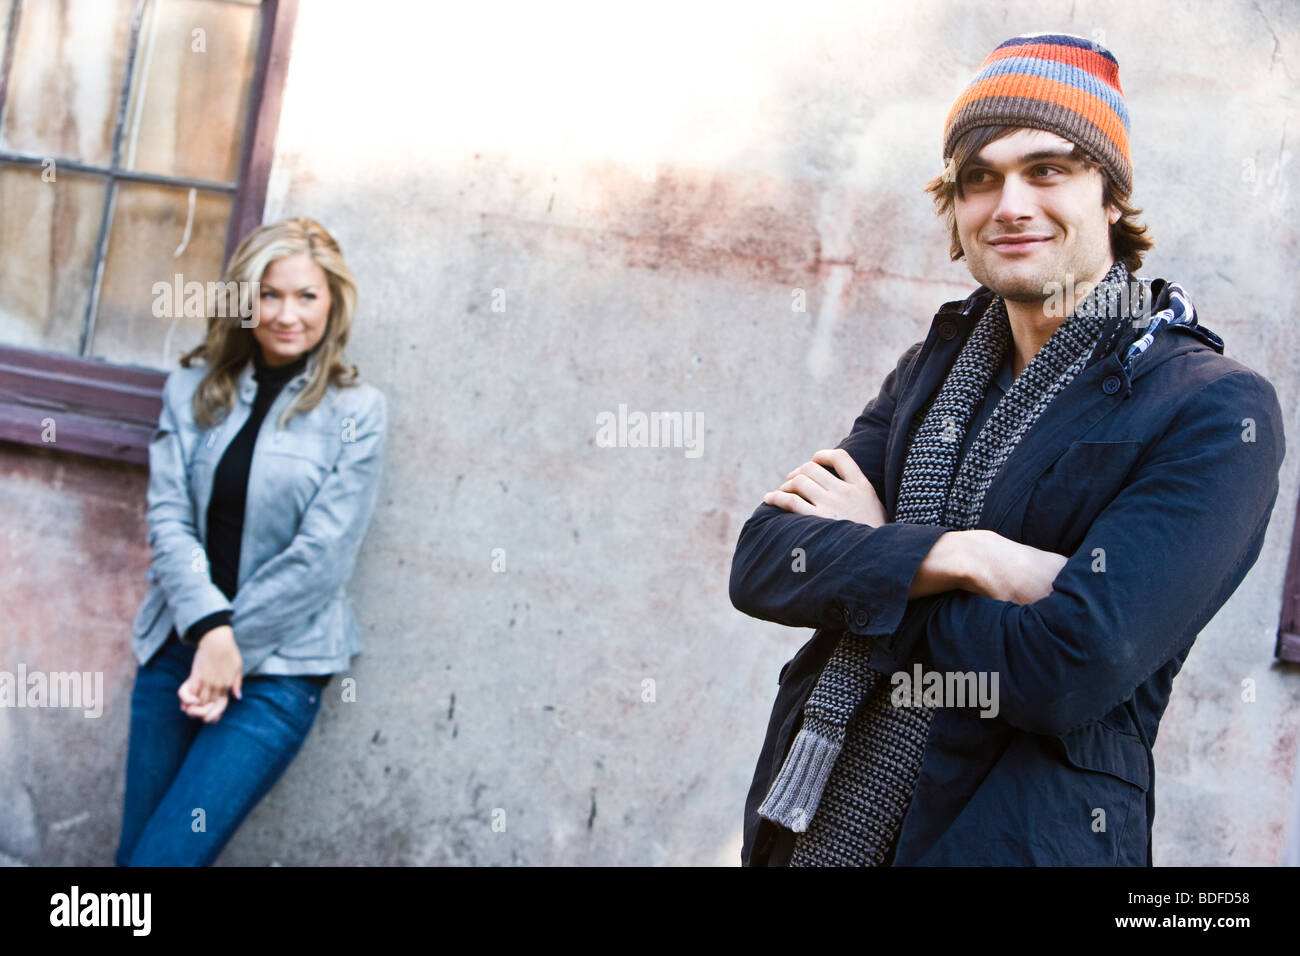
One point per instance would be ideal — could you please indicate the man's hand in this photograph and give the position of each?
(813, 490)
(1007, 570)
(218, 669)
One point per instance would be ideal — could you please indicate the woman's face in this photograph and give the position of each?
(294, 306)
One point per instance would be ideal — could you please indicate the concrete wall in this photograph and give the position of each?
(645, 194)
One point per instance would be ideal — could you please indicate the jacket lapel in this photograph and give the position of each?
(1093, 394)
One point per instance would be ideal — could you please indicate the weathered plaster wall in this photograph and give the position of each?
(645, 195)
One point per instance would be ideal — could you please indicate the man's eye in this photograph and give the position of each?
(976, 176)
(1045, 170)
(267, 294)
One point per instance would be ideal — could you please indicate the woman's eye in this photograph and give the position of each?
(309, 296)
(267, 294)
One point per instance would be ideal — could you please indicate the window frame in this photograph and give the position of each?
(109, 410)
(1287, 647)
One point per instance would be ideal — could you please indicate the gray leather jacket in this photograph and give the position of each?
(311, 490)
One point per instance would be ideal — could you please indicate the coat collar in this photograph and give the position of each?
(248, 384)
(1093, 393)
(1170, 341)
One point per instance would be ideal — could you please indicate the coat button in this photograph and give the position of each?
(947, 330)
(861, 618)
(1111, 384)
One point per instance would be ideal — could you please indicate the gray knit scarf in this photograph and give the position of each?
(850, 773)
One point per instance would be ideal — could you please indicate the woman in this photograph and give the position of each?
(262, 478)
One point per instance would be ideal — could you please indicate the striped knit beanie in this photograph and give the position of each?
(1064, 84)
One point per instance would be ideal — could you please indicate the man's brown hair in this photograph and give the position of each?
(1129, 239)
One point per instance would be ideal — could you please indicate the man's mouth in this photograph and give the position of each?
(1019, 243)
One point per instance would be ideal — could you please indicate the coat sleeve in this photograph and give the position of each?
(288, 589)
(811, 571)
(179, 560)
(1154, 567)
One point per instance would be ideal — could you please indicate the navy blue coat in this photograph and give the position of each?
(1168, 476)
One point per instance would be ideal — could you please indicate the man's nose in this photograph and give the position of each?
(1015, 201)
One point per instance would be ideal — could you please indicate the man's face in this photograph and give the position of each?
(1032, 216)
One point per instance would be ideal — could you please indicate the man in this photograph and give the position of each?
(1051, 494)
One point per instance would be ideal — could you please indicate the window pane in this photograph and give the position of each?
(148, 244)
(47, 251)
(189, 97)
(68, 68)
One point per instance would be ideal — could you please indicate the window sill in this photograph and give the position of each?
(1288, 647)
(95, 408)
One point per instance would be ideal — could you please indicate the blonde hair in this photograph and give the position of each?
(229, 346)
(1129, 239)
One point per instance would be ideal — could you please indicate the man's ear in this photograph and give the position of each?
(1112, 213)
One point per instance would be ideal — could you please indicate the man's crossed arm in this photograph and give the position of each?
(980, 561)
(1073, 637)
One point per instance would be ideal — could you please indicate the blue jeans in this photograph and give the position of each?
(189, 785)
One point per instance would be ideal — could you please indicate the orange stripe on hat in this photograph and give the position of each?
(1028, 87)
(1103, 68)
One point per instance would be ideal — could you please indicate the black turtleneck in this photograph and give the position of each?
(230, 482)
(230, 489)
